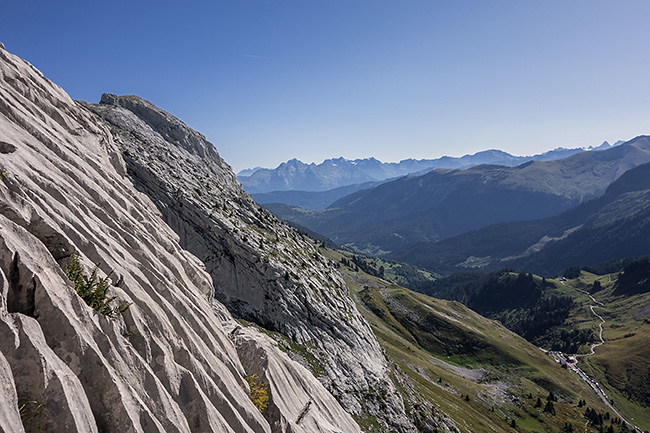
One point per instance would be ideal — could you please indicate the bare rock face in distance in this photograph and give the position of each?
(152, 201)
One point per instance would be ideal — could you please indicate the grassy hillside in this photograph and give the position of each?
(457, 367)
(563, 315)
(621, 365)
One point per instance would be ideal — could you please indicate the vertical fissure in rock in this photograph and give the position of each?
(20, 296)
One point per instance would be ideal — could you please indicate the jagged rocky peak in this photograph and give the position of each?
(127, 185)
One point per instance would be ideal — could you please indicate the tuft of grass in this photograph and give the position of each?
(28, 410)
(93, 290)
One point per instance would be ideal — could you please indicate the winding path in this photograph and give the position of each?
(574, 366)
(600, 334)
(602, 321)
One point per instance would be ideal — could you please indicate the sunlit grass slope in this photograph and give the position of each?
(622, 364)
(452, 362)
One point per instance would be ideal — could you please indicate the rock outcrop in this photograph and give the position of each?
(263, 270)
(133, 188)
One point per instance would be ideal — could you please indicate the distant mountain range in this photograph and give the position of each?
(295, 175)
(445, 203)
(612, 226)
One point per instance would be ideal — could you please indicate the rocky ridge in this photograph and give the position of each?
(131, 187)
(250, 255)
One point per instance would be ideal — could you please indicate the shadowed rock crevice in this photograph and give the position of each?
(6, 147)
(20, 296)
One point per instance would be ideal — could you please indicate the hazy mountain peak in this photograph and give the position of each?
(491, 152)
(603, 146)
(248, 171)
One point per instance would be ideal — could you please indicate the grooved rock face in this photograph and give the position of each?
(174, 361)
(263, 271)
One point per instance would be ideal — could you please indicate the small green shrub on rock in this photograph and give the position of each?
(93, 290)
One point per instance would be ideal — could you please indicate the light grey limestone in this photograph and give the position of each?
(263, 270)
(167, 364)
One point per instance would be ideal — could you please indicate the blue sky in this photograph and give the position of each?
(267, 81)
